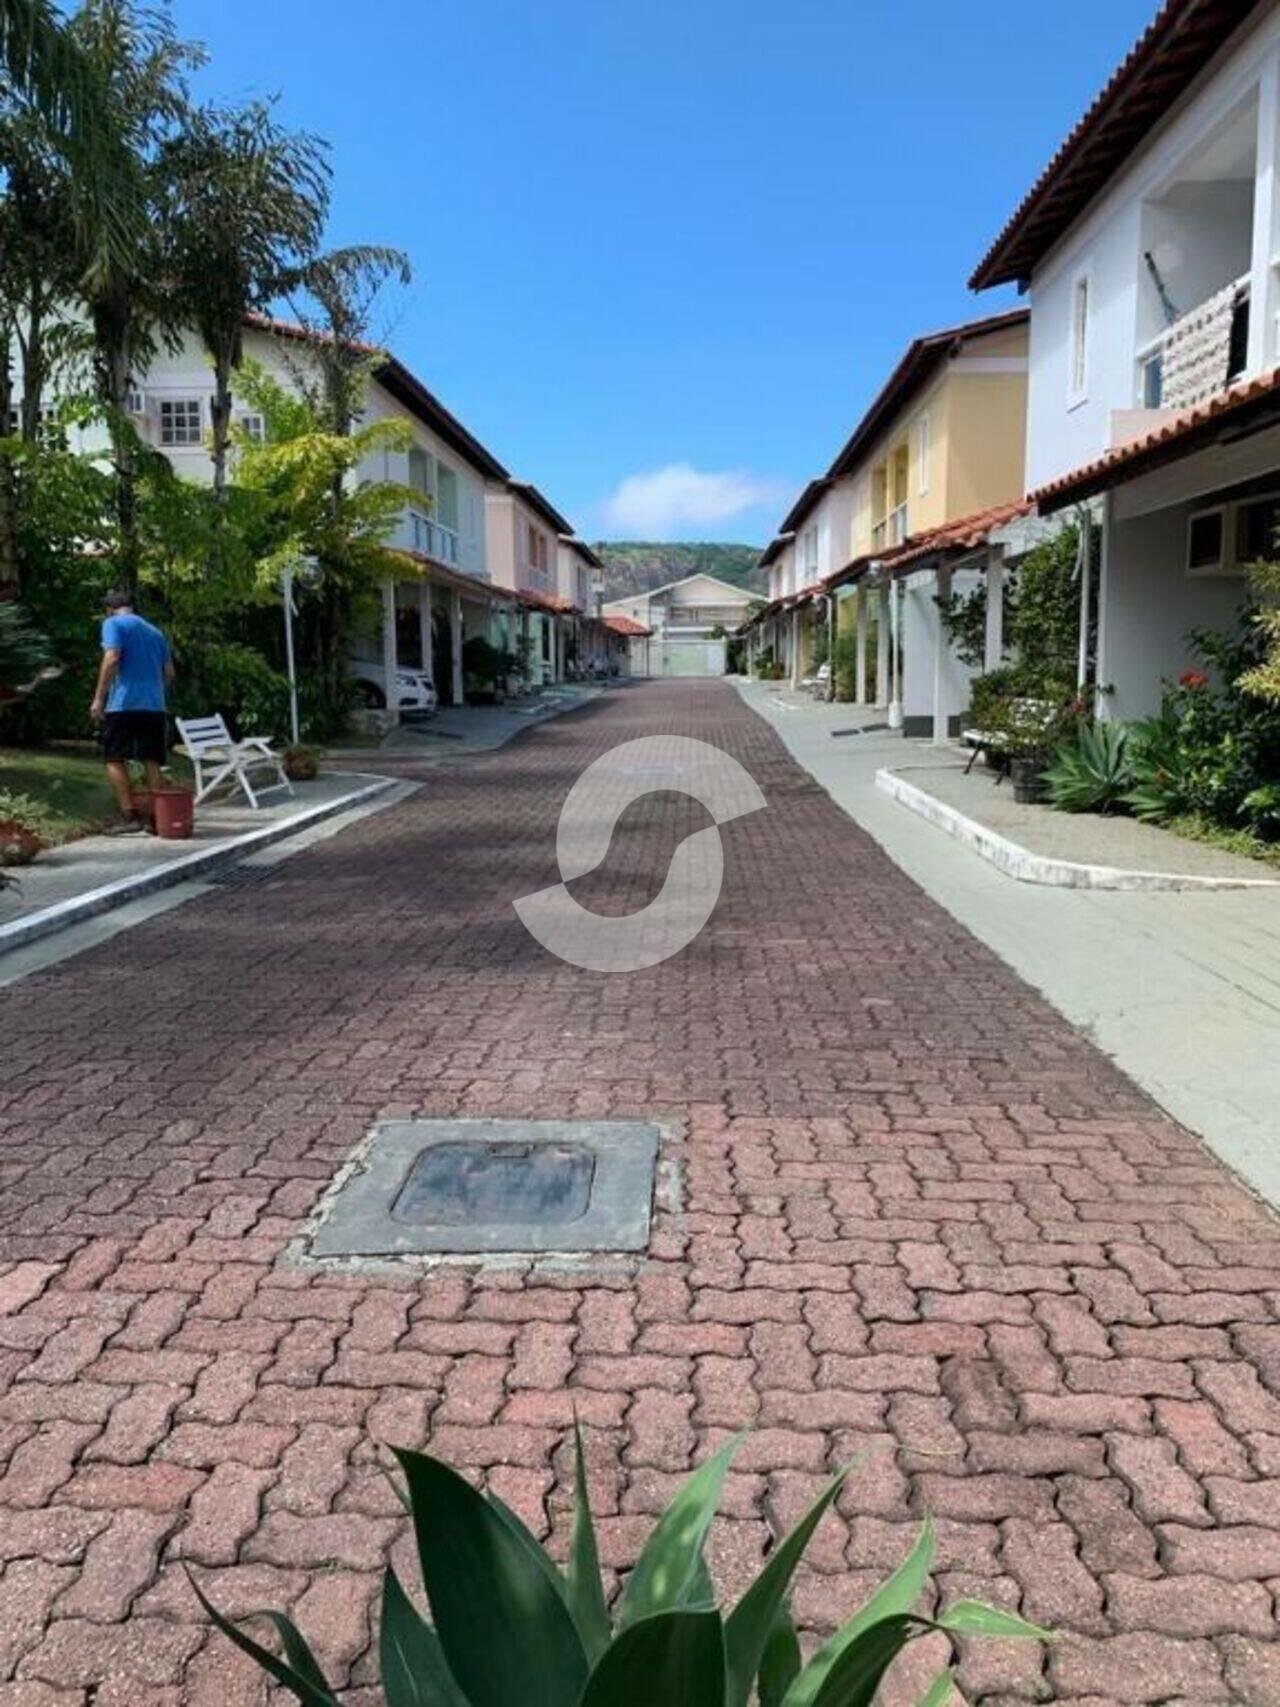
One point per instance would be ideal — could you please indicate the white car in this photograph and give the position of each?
(415, 693)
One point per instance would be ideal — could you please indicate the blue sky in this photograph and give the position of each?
(665, 252)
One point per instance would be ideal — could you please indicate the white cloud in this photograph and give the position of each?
(666, 502)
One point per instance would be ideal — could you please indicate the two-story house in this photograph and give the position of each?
(425, 612)
(940, 445)
(1150, 250)
(689, 622)
(524, 533)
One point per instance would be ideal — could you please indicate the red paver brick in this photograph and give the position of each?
(918, 1210)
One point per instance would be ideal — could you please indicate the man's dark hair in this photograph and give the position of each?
(117, 601)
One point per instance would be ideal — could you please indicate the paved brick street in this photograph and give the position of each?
(918, 1211)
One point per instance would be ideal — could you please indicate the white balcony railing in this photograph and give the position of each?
(432, 538)
(891, 531)
(1153, 391)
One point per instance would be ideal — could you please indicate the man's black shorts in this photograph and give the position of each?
(141, 735)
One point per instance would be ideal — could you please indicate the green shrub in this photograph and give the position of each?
(1090, 771)
(1159, 788)
(509, 1628)
(237, 681)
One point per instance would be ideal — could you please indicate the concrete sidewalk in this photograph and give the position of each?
(456, 731)
(98, 873)
(1182, 989)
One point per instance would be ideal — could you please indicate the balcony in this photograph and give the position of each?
(1198, 354)
(891, 531)
(431, 537)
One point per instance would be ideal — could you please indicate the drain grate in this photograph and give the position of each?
(238, 876)
(424, 1187)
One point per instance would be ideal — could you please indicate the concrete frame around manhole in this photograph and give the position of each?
(357, 1220)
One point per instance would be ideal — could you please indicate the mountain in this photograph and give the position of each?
(633, 566)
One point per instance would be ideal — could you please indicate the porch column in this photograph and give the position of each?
(1084, 563)
(941, 652)
(389, 650)
(1102, 702)
(425, 630)
(455, 643)
(1262, 303)
(795, 647)
(895, 654)
(860, 641)
(882, 646)
(993, 652)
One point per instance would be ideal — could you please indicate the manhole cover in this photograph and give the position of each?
(424, 1187)
(454, 1185)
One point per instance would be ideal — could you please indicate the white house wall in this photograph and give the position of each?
(921, 625)
(1106, 246)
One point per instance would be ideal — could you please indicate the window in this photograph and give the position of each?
(420, 471)
(446, 497)
(809, 555)
(922, 455)
(180, 421)
(1258, 530)
(1078, 375)
(253, 427)
(1206, 537)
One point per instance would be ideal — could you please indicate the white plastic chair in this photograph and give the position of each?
(217, 758)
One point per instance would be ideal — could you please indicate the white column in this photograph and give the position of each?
(795, 647)
(425, 628)
(941, 654)
(993, 652)
(1102, 702)
(389, 650)
(895, 654)
(882, 647)
(1084, 564)
(860, 614)
(455, 642)
(1263, 302)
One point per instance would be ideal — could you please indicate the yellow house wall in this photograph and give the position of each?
(977, 432)
(986, 440)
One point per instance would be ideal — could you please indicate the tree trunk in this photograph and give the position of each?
(34, 364)
(220, 420)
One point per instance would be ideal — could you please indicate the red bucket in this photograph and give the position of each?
(174, 813)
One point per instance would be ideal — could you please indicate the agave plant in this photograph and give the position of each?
(509, 1628)
(1090, 772)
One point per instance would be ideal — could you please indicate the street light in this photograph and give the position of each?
(306, 570)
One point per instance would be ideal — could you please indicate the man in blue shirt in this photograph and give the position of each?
(129, 702)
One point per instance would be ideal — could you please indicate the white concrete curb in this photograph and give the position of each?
(94, 901)
(1028, 867)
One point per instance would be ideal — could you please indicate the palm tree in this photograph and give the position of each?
(43, 68)
(247, 204)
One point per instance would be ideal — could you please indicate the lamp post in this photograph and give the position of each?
(306, 570)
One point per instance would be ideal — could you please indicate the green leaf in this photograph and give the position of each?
(674, 1659)
(585, 1589)
(414, 1670)
(780, 1662)
(298, 1671)
(893, 1599)
(939, 1691)
(534, 1551)
(751, 1622)
(856, 1676)
(666, 1573)
(973, 1618)
(506, 1633)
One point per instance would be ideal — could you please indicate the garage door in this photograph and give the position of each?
(693, 657)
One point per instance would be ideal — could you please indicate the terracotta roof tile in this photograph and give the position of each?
(1166, 59)
(626, 625)
(963, 534)
(1165, 443)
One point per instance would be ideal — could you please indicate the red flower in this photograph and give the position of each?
(1195, 679)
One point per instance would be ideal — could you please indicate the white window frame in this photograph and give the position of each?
(167, 411)
(253, 425)
(923, 450)
(1079, 331)
(1228, 566)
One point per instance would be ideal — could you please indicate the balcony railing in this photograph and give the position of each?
(891, 531)
(432, 538)
(1152, 390)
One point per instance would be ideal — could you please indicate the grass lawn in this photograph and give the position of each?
(68, 782)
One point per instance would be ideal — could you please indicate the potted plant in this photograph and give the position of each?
(301, 764)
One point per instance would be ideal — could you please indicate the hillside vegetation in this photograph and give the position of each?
(633, 566)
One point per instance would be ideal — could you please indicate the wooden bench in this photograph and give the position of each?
(218, 758)
(996, 742)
